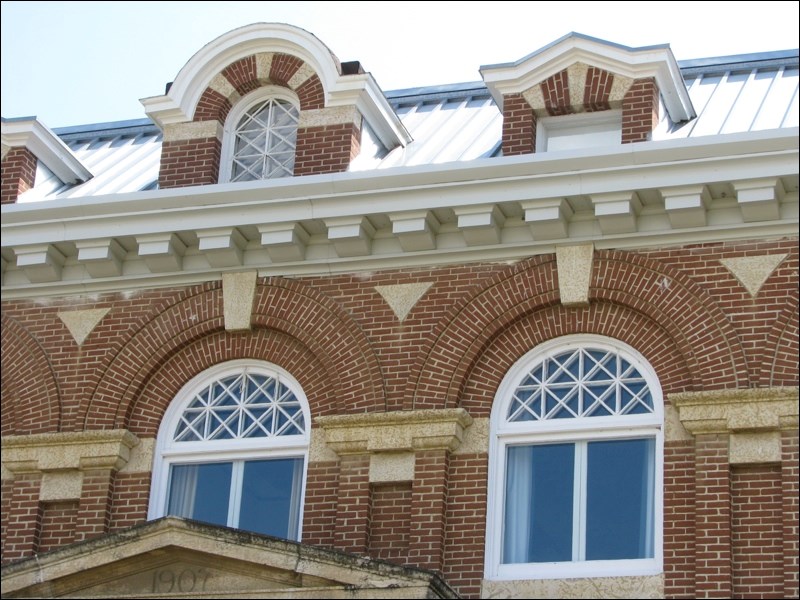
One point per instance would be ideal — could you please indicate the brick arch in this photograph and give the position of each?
(697, 327)
(779, 367)
(243, 77)
(288, 307)
(553, 321)
(441, 370)
(143, 416)
(28, 382)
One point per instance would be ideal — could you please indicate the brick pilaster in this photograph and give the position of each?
(189, 162)
(24, 517)
(519, 126)
(679, 519)
(713, 507)
(326, 148)
(428, 504)
(790, 490)
(640, 111)
(94, 508)
(352, 511)
(18, 174)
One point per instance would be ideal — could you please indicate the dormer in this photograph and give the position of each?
(580, 91)
(267, 101)
(27, 145)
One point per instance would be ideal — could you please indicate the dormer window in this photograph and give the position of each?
(584, 130)
(261, 137)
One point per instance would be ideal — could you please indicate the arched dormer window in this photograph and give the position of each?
(232, 450)
(260, 137)
(576, 464)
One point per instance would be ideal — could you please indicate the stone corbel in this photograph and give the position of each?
(399, 431)
(753, 418)
(59, 452)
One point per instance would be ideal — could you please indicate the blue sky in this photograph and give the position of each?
(73, 63)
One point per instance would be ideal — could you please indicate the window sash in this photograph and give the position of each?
(265, 141)
(535, 532)
(262, 495)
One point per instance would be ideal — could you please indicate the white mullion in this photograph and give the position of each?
(579, 503)
(581, 378)
(235, 497)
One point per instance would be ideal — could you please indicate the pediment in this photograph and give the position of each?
(577, 52)
(185, 559)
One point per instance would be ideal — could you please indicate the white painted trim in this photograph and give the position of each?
(46, 146)
(312, 201)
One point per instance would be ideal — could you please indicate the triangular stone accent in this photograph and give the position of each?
(402, 297)
(753, 271)
(81, 322)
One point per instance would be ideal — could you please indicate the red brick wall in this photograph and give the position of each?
(680, 307)
(191, 162)
(640, 111)
(352, 509)
(466, 523)
(757, 532)
(390, 521)
(327, 149)
(319, 516)
(790, 493)
(131, 493)
(597, 90)
(18, 174)
(23, 517)
(58, 524)
(519, 126)
(555, 91)
(679, 519)
(713, 518)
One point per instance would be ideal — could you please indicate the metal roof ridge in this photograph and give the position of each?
(751, 57)
(107, 126)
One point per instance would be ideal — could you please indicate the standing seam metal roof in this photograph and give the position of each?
(458, 122)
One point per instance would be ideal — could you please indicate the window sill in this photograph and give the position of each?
(623, 586)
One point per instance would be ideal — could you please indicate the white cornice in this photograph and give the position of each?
(635, 63)
(46, 146)
(511, 188)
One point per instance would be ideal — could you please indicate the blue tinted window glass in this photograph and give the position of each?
(538, 503)
(619, 510)
(200, 492)
(271, 497)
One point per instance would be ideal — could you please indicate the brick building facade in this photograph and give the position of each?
(426, 336)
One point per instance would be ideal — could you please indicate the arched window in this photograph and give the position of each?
(261, 136)
(576, 464)
(232, 450)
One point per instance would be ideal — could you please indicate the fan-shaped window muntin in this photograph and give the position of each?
(232, 450)
(260, 138)
(243, 405)
(576, 464)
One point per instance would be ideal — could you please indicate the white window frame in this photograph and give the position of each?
(168, 452)
(565, 133)
(247, 102)
(504, 434)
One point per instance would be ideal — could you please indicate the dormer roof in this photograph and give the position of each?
(340, 87)
(655, 62)
(46, 146)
